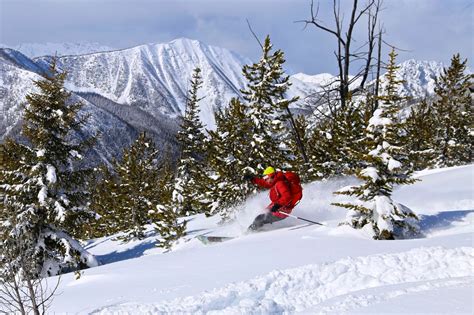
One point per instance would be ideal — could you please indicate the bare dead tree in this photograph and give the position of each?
(296, 132)
(22, 289)
(379, 65)
(345, 53)
(372, 23)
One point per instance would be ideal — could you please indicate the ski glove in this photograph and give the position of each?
(275, 208)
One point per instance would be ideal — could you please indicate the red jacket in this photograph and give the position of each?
(280, 193)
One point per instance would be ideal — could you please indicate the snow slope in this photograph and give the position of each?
(293, 267)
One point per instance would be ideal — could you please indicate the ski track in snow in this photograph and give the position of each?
(339, 286)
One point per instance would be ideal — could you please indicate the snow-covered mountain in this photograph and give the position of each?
(418, 78)
(155, 77)
(17, 73)
(33, 50)
(321, 79)
(17, 76)
(145, 86)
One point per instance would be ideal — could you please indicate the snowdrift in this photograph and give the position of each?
(292, 267)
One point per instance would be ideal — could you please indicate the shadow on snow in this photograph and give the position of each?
(442, 220)
(132, 252)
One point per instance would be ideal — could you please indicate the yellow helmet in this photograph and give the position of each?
(269, 170)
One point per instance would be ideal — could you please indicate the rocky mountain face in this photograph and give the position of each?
(155, 77)
(118, 125)
(418, 78)
(144, 88)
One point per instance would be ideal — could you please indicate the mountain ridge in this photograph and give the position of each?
(151, 81)
(33, 50)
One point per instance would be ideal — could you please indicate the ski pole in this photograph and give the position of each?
(294, 216)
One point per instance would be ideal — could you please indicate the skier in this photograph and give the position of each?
(285, 193)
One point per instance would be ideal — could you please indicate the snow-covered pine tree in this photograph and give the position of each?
(190, 195)
(168, 225)
(228, 160)
(335, 139)
(385, 166)
(266, 102)
(453, 112)
(105, 202)
(43, 197)
(420, 135)
(165, 219)
(17, 218)
(22, 289)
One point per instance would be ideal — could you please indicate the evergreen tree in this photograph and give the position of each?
(334, 142)
(129, 195)
(165, 219)
(385, 166)
(229, 147)
(43, 197)
(191, 184)
(420, 135)
(168, 225)
(266, 102)
(105, 202)
(135, 193)
(453, 111)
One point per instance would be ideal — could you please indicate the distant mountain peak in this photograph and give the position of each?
(319, 79)
(33, 50)
(418, 77)
(185, 40)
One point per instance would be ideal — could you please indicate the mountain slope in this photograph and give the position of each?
(16, 80)
(418, 78)
(19, 60)
(118, 128)
(291, 267)
(145, 86)
(155, 77)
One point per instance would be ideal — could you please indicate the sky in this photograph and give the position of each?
(421, 29)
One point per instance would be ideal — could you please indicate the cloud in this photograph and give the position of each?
(427, 29)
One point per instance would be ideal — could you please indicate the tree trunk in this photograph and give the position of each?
(377, 82)
(297, 136)
(32, 293)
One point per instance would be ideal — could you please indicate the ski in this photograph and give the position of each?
(213, 239)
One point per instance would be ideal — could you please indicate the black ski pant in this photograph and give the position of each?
(262, 219)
